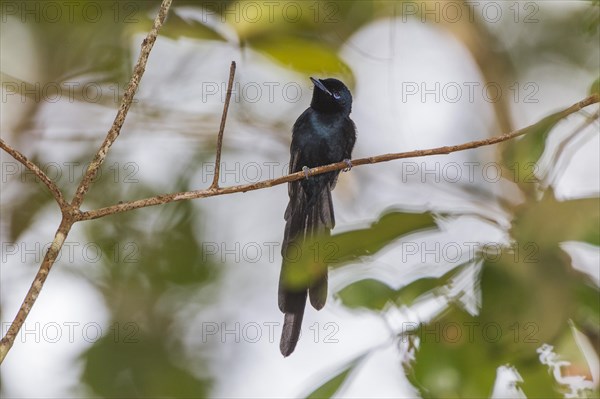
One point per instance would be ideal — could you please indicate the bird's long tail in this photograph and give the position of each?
(305, 219)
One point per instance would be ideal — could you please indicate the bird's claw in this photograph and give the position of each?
(306, 171)
(349, 163)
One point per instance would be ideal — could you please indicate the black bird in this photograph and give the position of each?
(323, 134)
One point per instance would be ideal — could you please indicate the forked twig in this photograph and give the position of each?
(71, 212)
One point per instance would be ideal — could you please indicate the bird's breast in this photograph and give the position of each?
(323, 140)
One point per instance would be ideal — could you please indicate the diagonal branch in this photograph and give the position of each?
(132, 87)
(71, 212)
(58, 196)
(34, 291)
(211, 192)
(215, 182)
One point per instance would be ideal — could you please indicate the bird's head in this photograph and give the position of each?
(331, 95)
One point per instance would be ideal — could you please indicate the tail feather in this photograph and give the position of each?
(322, 222)
(305, 219)
(317, 292)
(292, 324)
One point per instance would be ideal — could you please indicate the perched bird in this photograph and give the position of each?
(323, 134)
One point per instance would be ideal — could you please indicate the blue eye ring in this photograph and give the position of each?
(337, 95)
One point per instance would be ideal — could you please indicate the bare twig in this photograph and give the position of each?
(215, 182)
(132, 87)
(36, 287)
(71, 212)
(211, 192)
(58, 196)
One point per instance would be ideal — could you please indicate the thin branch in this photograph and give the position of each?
(34, 291)
(215, 182)
(58, 196)
(71, 212)
(132, 87)
(212, 192)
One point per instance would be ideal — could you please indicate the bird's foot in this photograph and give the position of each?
(349, 163)
(306, 171)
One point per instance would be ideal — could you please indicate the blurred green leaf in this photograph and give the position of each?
(588, 299)
(390, 226)
(587, 311)
(595, 87)
(304, 55)
(528, 299)
(459, 353)
(448, 366)
(92, 42)
(321, 21)
(520, 155)
(315, 255)
(136, 365)
(178, 27)
(152, 265)
(412, 291)
(332, 386)
(368, 293)
(24, 211)
(572, 220)
(374, 294)
(591, 19)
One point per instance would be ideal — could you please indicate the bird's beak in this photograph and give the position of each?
(320, 85)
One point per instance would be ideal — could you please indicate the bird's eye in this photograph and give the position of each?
(336, 95)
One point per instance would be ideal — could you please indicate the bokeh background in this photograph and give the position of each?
(474, 274)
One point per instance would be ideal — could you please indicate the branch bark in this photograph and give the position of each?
(115, 130)
(215, 182)
(214, 191)
(56, 193)
(36, 287)
(71, 211)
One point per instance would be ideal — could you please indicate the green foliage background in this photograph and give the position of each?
(537, 287)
